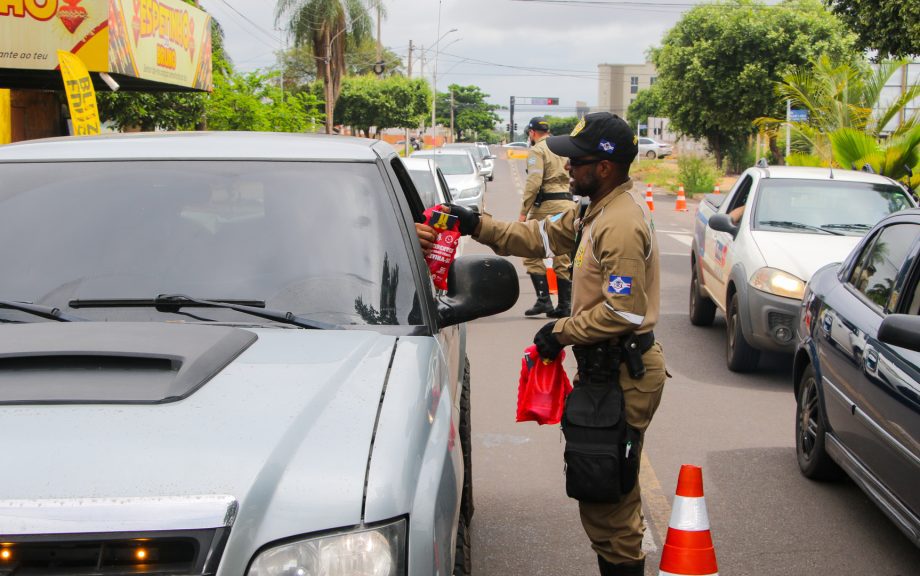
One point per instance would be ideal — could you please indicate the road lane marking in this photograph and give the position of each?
(655, 503)
(682, 238)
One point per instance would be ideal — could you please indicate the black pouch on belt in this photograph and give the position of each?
(595, 429)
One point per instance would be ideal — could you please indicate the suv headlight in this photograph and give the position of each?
(379, 551)
(469, 192)
(777, 282)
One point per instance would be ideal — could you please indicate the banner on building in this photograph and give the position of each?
(161, 41)
(81, 98)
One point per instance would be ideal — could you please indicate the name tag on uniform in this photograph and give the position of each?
(620, 285)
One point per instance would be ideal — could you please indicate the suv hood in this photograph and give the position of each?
(292, 414)
(802, 254)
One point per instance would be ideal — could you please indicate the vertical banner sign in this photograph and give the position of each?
(80, 95)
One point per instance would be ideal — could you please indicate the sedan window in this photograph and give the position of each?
(452, 164)
(876, 271)
(318, 240)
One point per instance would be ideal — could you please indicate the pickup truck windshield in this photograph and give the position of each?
(822, 206)
(319, 240)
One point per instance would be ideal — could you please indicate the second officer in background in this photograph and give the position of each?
(546, 193)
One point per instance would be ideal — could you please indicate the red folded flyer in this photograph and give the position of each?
(445, 247)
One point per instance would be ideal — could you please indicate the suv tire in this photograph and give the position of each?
(739, 355)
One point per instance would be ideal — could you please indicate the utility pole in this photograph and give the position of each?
(511, 122)
(378, 33)
(451, 115)
(788, 130)
(409, 70)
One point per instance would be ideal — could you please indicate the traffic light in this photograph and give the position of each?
(508, 126)
(515, 125)
(552, 101)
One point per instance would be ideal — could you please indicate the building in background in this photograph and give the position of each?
(618, 85)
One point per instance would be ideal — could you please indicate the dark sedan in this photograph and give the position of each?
(857, 370)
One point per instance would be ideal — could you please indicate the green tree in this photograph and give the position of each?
(717, 64)
(561, 125)
(647, 103)
(891, 27)
(393, 102)
(472, 114)
(326, 26)
(254, 101)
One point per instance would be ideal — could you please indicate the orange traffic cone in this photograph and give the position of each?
(550, 276)
(681, 205)
(716, 189)
(688, 547)
(648, 198)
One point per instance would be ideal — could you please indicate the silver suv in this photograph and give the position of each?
(222, 354)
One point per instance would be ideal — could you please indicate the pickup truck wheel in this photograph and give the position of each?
(740, 356)
(702, 309)
(814, 462)
(463, 563)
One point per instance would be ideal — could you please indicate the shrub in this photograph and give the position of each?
(698, 174)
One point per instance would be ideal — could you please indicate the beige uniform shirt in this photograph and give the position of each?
(544, 170)
(615, 278)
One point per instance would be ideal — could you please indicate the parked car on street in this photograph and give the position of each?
(481, 155)
(467, 186)
(516, 145)
(429, 181)
(222, 354)
(793, 220)
(650, 148)
(857, 370)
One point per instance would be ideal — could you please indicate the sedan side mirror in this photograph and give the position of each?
(723, 223)
(477, 286)
(901, 330)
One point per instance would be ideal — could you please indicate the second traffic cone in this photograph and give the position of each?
(716, 190)
(648, 198)
(688, 548)
(550, 276)
(681, 205)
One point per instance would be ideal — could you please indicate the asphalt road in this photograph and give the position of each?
(766, 518)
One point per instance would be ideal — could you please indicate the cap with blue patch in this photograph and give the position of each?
(599, 134)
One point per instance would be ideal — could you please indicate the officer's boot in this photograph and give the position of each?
(630, 569)
(543, 305)
(564, 307)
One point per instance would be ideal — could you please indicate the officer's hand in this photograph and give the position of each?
(469, 220)
(548, 345)
(427, 236)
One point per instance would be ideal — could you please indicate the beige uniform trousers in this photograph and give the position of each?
(616, 530)
(560, 261)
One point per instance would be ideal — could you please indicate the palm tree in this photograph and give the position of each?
(327, 26)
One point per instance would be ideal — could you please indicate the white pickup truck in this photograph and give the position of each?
(755, 248)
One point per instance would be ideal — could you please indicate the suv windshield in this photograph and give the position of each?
(825, 206)
(318, 240)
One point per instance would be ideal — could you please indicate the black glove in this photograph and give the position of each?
(547, 344)
(469, 220)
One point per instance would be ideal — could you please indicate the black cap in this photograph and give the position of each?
(600, 134)
(539, 124)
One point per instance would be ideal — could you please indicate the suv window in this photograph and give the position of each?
(876, 270)
(319, 239)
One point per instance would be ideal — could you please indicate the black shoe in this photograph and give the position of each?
(564, 308)
(630, 569)
(543, 304)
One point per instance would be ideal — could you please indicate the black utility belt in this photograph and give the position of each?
(601, 361)
(544, 196)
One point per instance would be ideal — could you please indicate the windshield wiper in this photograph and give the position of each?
(41, 311)
(798, 226)
(848, 226)
(173, 302)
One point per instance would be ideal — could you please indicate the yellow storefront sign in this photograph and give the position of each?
(160, 41)
(81, 98)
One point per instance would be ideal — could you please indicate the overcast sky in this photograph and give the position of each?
(542, 48)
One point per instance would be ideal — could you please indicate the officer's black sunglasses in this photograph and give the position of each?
(584, 161)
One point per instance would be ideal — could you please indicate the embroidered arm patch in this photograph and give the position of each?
(620, 285)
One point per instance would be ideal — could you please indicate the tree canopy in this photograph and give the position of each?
(892, 27)
(717, 65)
(472, 114)
(647, 103)
(393, 102)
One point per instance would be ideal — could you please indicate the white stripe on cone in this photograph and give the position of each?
(689, 514)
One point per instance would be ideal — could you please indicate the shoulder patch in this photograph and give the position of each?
(620, 285)
(531, 160)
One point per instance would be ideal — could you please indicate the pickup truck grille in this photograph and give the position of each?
(178, 553)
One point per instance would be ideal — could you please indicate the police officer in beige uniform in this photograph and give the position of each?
(615, 306)
(546, 193)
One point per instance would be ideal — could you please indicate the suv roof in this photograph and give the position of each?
(199, 146)
(815, 173)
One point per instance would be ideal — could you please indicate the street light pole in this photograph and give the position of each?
(434, 76)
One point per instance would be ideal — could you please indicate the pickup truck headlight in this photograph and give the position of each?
(379, 551)
(777, 282)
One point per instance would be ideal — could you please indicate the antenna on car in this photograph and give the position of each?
(762, 163)
(868, 168)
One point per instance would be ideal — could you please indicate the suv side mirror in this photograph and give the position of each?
(477, 286)
(901, 330)
(723, 223)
